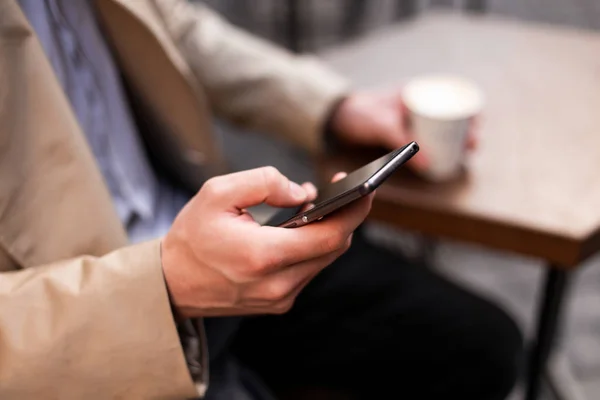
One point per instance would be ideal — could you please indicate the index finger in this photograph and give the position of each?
(245, 189)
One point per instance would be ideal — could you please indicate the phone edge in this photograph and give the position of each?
(380, 176)
(369, 186)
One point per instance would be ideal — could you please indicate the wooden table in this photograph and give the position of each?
(533, 187)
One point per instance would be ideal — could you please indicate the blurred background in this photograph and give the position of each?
(512, 280)
(331, 22)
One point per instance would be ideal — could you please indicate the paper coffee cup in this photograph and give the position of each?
(440, 111)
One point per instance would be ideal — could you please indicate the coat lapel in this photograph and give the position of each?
(53, 202)
(174, 102)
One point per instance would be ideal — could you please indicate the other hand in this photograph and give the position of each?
(378, 118)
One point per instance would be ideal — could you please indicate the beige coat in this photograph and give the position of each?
(82, 314)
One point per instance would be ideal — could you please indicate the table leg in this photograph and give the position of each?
(548, 317)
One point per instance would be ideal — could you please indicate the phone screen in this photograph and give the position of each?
(337, 194)
(353, 179)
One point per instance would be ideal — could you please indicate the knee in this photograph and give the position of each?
(496, 354)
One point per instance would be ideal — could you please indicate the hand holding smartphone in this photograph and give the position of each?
(355, 185)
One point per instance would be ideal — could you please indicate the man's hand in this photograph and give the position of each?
(379, 119)
(218, 261)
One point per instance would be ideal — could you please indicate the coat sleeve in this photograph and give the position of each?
(91, 328)
(250, 81)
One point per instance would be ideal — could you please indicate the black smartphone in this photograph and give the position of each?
(355, 185)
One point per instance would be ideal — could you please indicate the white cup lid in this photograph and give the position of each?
(443, 97)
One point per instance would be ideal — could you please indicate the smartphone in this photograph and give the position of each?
(355, 185)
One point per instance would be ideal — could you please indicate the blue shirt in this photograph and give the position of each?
(69, 33)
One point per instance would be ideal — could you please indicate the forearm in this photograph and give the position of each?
(254, 83)
(91, 327)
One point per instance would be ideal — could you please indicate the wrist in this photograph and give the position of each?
(177, 315)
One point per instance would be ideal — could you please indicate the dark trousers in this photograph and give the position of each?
(375, 326)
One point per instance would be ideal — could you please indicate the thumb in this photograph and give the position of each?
(256, 186)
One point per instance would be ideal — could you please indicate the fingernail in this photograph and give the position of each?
(297, 191)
